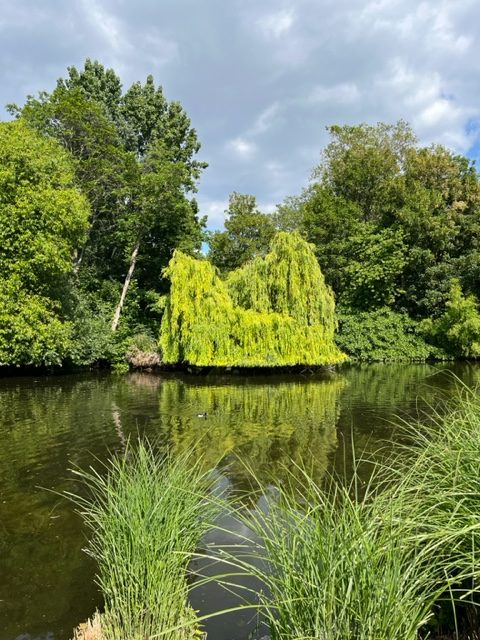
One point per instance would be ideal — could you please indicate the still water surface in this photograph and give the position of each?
(48, 425)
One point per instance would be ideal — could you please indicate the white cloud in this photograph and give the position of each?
(106, 24)
(435, 115)
(262, 80)
(242, 148)
(159, 50)
(443, 35)
(265, 120)
(276, 25)
(344, 93)
(215, 212)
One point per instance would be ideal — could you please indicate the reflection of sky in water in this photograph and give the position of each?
(49, 425)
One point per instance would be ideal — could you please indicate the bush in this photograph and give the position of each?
(458, 329)
(334, 566)
(438, 496)
(93, 339)
(383, 336)
(32, 331)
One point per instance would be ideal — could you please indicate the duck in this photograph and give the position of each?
(202, 415)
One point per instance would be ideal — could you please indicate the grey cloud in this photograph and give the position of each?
(261, 80)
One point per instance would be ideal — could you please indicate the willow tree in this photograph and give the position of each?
(275, 311)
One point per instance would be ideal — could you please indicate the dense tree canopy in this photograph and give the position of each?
(135, 160)
(393, 223)
(43, 220)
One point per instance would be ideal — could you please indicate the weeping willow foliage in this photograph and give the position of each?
(274, 311)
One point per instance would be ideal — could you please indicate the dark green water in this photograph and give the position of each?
(50, 424)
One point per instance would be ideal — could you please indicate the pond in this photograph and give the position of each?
(49, 425)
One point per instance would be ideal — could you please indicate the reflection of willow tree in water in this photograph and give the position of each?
(267, 427)
(396, 391)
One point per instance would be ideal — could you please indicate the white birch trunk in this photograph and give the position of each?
(126, 284)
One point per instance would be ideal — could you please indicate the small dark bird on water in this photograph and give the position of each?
(202, 415)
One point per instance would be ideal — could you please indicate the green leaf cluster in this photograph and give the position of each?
(248, 234)
(383, 335)
(264, 315)
(43, 218)
(457, 330)
(32, 330)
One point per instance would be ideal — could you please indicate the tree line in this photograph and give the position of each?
(396, 231)
(97, 191)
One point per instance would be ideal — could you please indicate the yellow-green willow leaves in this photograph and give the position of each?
(274, 311)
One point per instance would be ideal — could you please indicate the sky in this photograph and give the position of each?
(262, 79)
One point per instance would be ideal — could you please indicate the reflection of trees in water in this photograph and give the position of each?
(50, 424)
(261, 426)
(392, 388)
(45, 427)
(379, 397)
(143, 380)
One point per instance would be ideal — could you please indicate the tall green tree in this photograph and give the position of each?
(43, 219)
(104, 171)
(362, 164)
(392, 222)
(119, 141)
(248, 233)
(439, 214)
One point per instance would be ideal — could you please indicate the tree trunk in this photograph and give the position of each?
(78, 261)
(126, 284)
(81, 252)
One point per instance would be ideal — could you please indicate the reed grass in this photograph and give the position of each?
(439, 488)
(339, 563)
(147, 515)
(336, 567)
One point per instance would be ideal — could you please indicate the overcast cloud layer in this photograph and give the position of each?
(261, 79)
